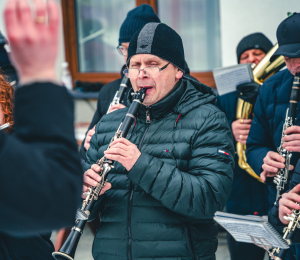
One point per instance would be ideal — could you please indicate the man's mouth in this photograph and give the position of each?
(148, 88)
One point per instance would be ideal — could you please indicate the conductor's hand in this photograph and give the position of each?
(88, 138)
(115, 107)
(288, 202)
(33, 38)
(292, 140)
(124, 152)
(240, 129)
(272, 163)
(92, 178)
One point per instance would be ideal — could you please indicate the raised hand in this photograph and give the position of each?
(33, 39)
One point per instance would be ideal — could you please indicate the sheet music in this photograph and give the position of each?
(228, 78)
(242, 230)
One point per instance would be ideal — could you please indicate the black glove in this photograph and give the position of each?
(248, 91)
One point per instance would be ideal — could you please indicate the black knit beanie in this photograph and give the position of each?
(253, 41)
(135, 20)
(160, 40)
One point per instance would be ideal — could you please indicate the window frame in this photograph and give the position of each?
(71, 50)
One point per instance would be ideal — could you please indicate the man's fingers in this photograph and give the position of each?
(11, 20)
(105, 188)
(87, 180)
(292, 137)
(40, 8)
(263, 176)
(96, 168)
(247, 121)
(296, 189)
(290, 203)
(274, 164)
(24, 12)
(276, 157)
(269, 169)
(292, 129)
(292, 147)
(53, 16)
(121, 140)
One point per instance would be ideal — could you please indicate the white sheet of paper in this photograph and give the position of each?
(228, 78)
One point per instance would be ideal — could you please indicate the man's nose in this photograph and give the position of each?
(251, 58)
(142, 74)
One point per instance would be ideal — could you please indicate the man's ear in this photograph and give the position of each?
(178, 74)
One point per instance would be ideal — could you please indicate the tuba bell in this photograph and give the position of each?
(261, 72)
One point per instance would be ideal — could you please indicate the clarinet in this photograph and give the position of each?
(289, 234)
(67, 251)
(119, 94)
(282, 176)
(2, 127)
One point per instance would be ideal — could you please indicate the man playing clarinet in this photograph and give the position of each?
(269, 115)
(174, 169)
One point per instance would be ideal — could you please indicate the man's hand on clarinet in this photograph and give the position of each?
(292, 140)
(88, 138)
(288, 202)
(115, 107)
(272, 163)
(92, 178)
(124, 152)
(240, 129)
(33, 39)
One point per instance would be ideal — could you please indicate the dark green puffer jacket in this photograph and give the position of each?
(162, 209)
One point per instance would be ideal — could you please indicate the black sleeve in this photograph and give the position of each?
(96, 118)
(41, 175)
(105, 97)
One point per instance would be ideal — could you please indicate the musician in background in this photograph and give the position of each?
(269, 116)
(135, 20)
(175, 168)
(248, 196)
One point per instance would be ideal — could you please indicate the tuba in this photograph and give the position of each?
(244, 110)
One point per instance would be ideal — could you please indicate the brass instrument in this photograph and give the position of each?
(261, 72)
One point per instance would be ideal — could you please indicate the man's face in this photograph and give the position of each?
(252, 56)
(157, 87)
(293, 64)
(125, 45)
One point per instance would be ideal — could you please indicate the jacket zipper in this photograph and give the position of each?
(148, 121)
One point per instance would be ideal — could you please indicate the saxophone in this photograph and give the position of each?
(282, 176)
(261, 72)
(67, 251)
(289, 234)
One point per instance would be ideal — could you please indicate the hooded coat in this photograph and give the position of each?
(163, 207)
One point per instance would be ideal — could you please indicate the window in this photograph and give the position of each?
(91, 31)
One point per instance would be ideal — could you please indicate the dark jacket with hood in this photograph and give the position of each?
(163, 207)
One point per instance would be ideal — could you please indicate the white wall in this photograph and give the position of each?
(242, 17)
(61, 56)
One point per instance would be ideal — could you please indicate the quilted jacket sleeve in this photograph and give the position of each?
(259, 141)
(204, 189)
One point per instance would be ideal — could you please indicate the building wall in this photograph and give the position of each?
(242, 17)
(238, 19)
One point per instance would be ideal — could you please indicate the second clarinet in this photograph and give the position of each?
(282, 176)
(119, 94)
